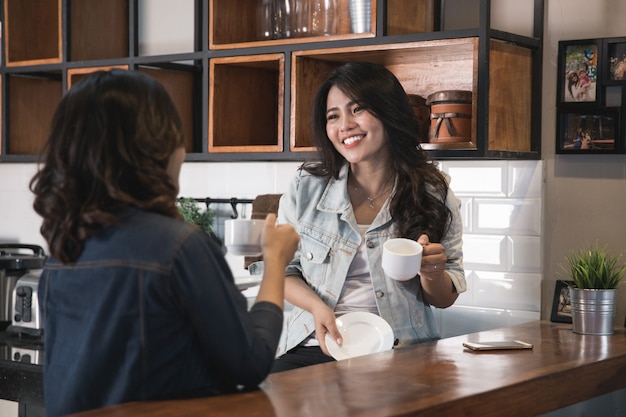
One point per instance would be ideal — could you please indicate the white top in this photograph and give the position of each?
(357, 293)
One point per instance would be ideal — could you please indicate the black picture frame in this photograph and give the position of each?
(589, 130)
(614, 52)
(579, 69)
(561, 307)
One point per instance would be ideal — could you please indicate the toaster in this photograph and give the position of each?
(26, 313)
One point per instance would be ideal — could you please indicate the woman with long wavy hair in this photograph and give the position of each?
(370, 181)
(137, 303)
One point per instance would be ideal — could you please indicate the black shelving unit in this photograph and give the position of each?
(196, 63)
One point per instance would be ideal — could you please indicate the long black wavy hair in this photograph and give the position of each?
(109, 146)
(414, 210)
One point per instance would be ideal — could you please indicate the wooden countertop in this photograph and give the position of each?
(431, 379)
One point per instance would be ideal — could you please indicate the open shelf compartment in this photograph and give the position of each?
(98, 29)
(246, 103)
(32, 100)
(182, 82)
(33, 32)
(226, 30)
(422, 67)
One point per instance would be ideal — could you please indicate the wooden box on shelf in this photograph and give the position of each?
(33, 32)
(31, 105)
(98, 29)
(246, 103)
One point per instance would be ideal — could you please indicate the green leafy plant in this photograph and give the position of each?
(593, 267)
(191, 213)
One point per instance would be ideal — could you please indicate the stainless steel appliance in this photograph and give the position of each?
(16, 260)
(26, 312)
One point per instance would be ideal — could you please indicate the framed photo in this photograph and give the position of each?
(561, 306)
(579, 68)
(615, 53)
(588, 130)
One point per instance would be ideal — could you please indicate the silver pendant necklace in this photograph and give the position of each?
(371, 200)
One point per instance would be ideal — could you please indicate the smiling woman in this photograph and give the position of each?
(370, 181)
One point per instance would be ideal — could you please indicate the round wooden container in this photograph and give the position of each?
(450, 116)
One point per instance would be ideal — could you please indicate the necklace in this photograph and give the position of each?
(371, 200)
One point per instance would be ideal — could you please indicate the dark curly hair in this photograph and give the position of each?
(414, 210)
(109, 146)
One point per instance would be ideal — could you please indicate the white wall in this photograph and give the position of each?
(585, 196)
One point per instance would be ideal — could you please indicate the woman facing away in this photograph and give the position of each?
(138, 304)
(371, 181)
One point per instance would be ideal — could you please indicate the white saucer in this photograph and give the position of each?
(244, 283)
(363, 333)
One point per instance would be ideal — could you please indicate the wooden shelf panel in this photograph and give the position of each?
(246, 103)
(32, 102)
(33, 32)
(98, 29)
(510, 98)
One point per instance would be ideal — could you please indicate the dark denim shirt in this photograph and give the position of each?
(149, 311)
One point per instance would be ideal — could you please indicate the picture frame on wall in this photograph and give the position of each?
(579, 68)
(561, 306)
(589, 130)
(615, 53)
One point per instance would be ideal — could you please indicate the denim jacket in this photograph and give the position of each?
(149, 311)
(321, 212)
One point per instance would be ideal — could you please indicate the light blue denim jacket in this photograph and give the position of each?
(321, 212)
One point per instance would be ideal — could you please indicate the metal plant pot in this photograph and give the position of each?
(593, 311)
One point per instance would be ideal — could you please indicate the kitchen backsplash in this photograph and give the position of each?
(501, 209)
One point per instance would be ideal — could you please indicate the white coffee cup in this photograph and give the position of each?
(402, 258)
(243, 236)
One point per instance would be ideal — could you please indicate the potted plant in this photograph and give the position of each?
(595, 275)
(191, 213)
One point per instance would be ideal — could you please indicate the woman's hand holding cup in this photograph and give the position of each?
(433, 259)
(404, 258)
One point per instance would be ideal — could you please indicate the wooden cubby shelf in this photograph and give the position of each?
(32, 32)
(246, 103)
(98, 29)
(32, 100)
(421, 67)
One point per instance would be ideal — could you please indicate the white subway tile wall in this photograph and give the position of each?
(501, 210)
(502, 219)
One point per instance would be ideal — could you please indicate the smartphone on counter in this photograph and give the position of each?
(498, 345)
